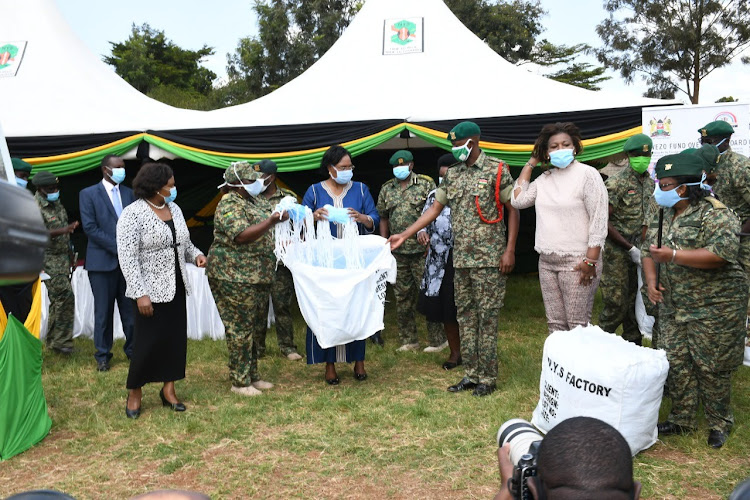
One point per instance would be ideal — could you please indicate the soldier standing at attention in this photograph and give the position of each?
(57, 263)
(702, 296)
(240, 271)
(400, 204)
(476, 189)
(282, 290)
(630, 194)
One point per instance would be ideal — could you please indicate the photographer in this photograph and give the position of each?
(581, 458)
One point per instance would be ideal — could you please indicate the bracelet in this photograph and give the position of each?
(588, 262)
(674, 255)
(529, 164)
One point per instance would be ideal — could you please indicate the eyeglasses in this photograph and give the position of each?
(341, 169)
(663, 186)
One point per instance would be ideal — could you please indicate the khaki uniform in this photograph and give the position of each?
(701, 319)
(402, 207)
(57, 265)
(478, 247)
(240, 277)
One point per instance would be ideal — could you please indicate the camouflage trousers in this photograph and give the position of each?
(244, 311)
(744, 258)
(61, 311)
(410, 268)
(282, 294)
(619, 286)
(479, 294)
(435, 334)
(702, 356)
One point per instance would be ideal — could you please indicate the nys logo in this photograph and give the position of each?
(406, 32)
(8, 53)
(724, 116)
(661, 127)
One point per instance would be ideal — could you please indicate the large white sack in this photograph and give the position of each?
(342, 305)
(588, 372)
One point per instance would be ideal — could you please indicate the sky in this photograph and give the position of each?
(220, 24)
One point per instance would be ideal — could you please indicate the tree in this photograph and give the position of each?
(728, 99)
(673, 44)
(148, 60)
(583, 74)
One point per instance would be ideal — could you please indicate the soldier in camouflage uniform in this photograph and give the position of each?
(400, 203)
(631, 199)
(702, 295)
(57, 263)
(240, 270)
(482, 257)
(282, 289)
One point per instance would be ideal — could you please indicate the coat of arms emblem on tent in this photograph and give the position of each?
(403, 35)
(405, 32)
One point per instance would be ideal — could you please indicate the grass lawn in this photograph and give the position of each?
(399, 434)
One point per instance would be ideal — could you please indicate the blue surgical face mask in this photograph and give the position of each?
(172, 195)
(720, 143)
(667, 199)
(343, 176)
(401, 172)
(117, 175)
(21, 182)
(52, 197)
(561, 158)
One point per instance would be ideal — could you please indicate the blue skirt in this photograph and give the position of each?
(345, 353)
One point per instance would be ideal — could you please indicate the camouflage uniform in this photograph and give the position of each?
(282, 294)
(435, 334)
(57, 265)
(478, 247)
(702, 315)
(631, 200)
(240, 277)
(403, 206)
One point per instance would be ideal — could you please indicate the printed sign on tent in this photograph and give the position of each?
(11, 55)
(403, 36)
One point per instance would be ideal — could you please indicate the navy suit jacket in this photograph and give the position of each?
(99, 222)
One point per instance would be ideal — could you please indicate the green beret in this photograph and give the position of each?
(463, 130)
(44, 178)
(640, 143)
(266, 167)
(679, 165)
(708, 153)
(241, 170)
(20, 165)
(401, 157)
(717, 128)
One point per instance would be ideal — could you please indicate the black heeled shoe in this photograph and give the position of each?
(333, 381)
(132, 413)
(175, 406)
(449, 365)
(360, 376)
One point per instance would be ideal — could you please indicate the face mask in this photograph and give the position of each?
(255, 188)
(343, 176)
(21, 182)
(639, 163)
(561, 158)
(440, 180)
(666, 199)
(720, 143)
(53, 196)
(401, 172)
(265, 186)
(461, 153)
(117, 175)
(172, 195)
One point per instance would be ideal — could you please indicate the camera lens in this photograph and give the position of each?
(520, 434)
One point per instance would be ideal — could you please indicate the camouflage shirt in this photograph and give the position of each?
(732, 184)
(699, 293)
(57, 255)
(632, 201)
(476, 243)
(250, 263)
(403, 206)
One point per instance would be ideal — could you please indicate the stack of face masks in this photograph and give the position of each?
(337, 215)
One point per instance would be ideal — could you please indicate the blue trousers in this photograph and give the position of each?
(108, 286)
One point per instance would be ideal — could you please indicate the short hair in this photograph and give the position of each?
(332, 156)
(105, 160)
(541, 146)
(585, 458)
(150, 179)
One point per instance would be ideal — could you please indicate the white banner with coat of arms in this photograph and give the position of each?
(674, 128)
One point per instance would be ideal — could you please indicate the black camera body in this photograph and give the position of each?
(522, 471)
(524, 442)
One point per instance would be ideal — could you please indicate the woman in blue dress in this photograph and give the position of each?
(339, 191)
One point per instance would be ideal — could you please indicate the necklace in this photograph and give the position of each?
(158, 207)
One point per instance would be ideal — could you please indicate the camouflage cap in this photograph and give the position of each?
(463, 130)
(708, 153)
(401, 157)
(20, 165)
(266, 167)
(679, 165)
(240, 170)
(639, 143)
(716, 128)
(44, 178)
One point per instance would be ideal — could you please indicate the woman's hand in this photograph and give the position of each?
(422, 238)
(145, 307)
(200, 260)
(395, 241)
(507, 262)
(72, 227)
(654, 295)
(320, 214)
(587, 273)
(661, 255)
(356, 216)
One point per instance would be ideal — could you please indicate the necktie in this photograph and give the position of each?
(116, 201)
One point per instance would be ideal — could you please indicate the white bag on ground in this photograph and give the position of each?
(588, 372)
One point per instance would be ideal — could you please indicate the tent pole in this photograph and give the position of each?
(5, 158)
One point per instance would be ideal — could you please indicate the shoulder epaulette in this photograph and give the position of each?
(715, 203)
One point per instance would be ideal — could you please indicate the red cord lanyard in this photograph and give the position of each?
(499, 205)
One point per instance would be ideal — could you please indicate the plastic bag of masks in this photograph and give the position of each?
(588, 372)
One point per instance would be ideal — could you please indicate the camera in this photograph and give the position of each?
(524, 442)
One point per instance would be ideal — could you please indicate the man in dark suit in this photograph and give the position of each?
(101, 206)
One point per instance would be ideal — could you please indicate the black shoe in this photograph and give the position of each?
(376, 338)
(175, 406)
(464, 385)
(669, 428)
(333, 381)
(360, 376)
(132, 413)
(449, 365)
(483, 390)
(102, 366)
(716, 439)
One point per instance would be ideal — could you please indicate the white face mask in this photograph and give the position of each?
(440, 180)
(255, 188)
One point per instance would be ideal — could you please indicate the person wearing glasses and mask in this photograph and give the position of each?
(338, 190)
